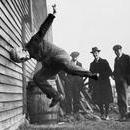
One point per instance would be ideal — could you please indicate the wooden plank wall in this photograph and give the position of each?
(15, 29)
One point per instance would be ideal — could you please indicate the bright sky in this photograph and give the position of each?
(83, 24)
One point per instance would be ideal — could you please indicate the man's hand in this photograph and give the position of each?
(113, 77)
(54, 8)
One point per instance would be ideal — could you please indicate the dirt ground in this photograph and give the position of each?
(82, 122)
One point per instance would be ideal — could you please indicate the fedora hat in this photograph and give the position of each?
(117, 47)
(74, 54)
(94, 49)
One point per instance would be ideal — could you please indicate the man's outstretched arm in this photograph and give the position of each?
(38, 37)
(47, 23)
(42, 30)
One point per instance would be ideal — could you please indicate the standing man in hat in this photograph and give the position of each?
(53, 59)
(76, 84)
(101, 90)
(122, 79)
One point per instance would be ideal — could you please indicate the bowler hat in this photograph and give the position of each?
(74, 54)
(117, 47)
(94, 49)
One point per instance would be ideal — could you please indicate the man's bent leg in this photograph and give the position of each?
(45, 87)
(41, 79)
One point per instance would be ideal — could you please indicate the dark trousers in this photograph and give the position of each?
(41, 79)
(68, 101)
(75, 98)
(121, 88)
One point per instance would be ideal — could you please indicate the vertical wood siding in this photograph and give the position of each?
(16, 25)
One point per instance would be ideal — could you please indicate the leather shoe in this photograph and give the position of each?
(55, 100)
(122, 119)
(107, 118)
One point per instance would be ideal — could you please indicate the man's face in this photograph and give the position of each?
(96, 54)
(74, 58)
(118, 52)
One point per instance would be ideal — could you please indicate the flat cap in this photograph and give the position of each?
(74, 54)
(117, 47)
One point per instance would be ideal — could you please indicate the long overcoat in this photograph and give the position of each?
(101, 89)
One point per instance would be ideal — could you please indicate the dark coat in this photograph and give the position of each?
(53, 58)
(76, 82)
(122, 68)
(101, 89)
(42, 50)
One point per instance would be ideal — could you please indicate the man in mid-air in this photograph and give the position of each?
(53, 59)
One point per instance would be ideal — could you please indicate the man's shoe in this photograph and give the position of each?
(56, 100)
(107, 118)
(122, 119)
(103, 117)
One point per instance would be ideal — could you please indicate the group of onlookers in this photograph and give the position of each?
(100, 90)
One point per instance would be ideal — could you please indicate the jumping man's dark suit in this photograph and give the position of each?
(53, 58)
